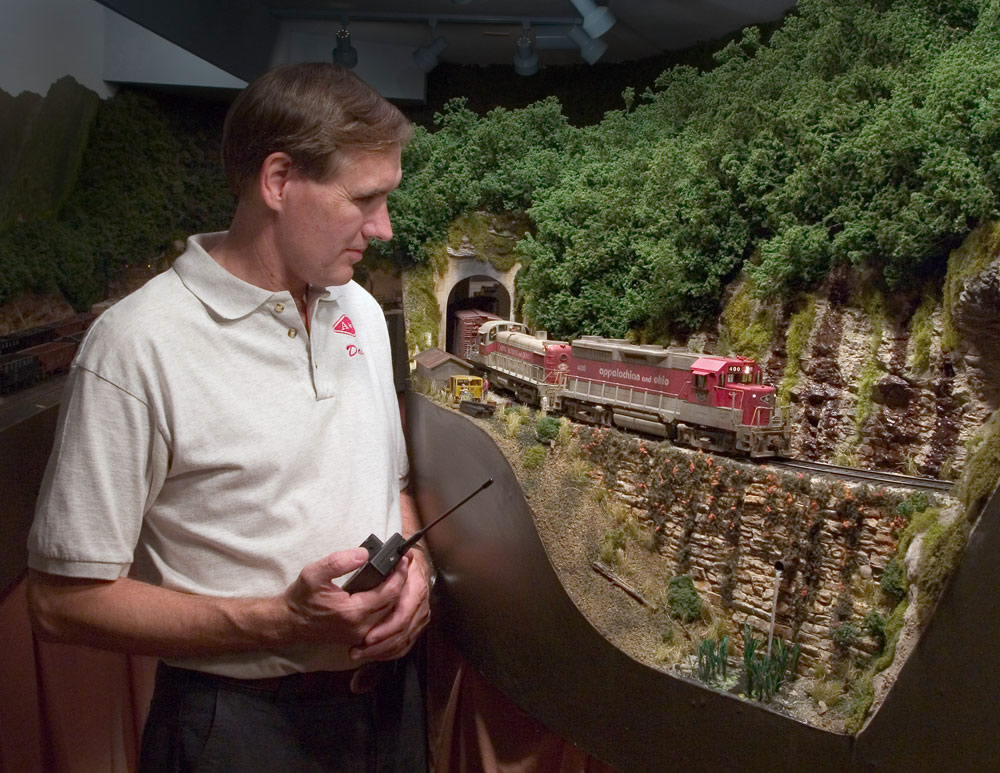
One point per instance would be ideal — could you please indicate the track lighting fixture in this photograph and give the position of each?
(525, 58)
(427, 55)
(596, 18)
(345, 54)
(591, 50)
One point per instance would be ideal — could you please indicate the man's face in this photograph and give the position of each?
(326, 225)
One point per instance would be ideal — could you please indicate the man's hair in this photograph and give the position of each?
(314, 112)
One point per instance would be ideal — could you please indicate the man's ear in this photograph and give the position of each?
(275, 173)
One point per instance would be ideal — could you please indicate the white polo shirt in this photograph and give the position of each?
(209, 444)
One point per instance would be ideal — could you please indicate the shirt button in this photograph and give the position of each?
(279, 307)
(292, 332)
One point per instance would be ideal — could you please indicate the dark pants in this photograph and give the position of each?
(200, 723)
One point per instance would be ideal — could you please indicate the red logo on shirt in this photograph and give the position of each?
(344, 325)
(353, 350)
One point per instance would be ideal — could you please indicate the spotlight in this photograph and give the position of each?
(591, 50)
(345, 54)
(596, 18)
(525, 60)
(427, 56)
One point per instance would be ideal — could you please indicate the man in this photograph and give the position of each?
(229, 436)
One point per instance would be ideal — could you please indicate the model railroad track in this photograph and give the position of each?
(866, 476)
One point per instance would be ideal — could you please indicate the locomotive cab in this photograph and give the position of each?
(488, 331)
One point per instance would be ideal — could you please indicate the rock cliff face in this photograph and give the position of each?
(865, 397)
(728, 523)
(977, 318)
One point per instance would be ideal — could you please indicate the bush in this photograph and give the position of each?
(917, 502)
(534, 457)
(612, 544)
(844, 635)
(893, 582)
(683, 600)
(874, 624)
(547, 429)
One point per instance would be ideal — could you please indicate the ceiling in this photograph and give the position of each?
(240, 36)
(486, 31)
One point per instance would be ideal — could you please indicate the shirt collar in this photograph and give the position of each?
(225, 294)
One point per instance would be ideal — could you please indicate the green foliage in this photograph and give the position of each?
(713, 661)
(534, 457)
(547, 428)
(915, 503)
(858, 134)
(765, 673)
(874, 624)
(747, 327)
(46, 140)
(612, 546)
(922, 330)
(683, 599)
(796, 338)
(893, 627)
(492, 236)
(844, 635)
(964, 263)
(858, 702)
(150, 175)
(982, 467)
(942, 548)
(421, 309)
(498, 162)
(893, 581)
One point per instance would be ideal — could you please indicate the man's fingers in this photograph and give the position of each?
(337, 565)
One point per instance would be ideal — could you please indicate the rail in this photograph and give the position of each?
(867, 476)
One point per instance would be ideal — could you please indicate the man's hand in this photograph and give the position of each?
(321, 611)
(396, 633)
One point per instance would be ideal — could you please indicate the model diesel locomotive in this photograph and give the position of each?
(703, 401)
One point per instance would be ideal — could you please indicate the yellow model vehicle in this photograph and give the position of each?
(462, 388)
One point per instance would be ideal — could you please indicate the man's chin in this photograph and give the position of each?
(341, 277)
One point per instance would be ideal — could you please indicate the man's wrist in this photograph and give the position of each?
(424, 554)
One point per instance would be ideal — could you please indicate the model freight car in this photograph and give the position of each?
(465, 330)
(27, 356)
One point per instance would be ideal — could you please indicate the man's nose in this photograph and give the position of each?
(379, 226)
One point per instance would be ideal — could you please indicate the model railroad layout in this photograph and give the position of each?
(37, 353)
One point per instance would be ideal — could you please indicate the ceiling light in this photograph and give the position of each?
(345, 54)
(525, 59)
(591, 50)
(596, 18)
(427, 55)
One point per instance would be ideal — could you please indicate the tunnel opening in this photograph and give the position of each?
(481, 294)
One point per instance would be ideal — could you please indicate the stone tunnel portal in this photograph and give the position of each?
(480, 292)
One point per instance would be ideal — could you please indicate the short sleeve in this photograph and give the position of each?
(108, 463)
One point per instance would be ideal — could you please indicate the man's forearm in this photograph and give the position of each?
(408, 513)
(410, 518)
(131, 616)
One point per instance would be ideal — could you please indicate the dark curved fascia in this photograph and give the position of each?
(508, 612)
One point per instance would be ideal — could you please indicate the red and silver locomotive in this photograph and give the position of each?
(703, 401)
